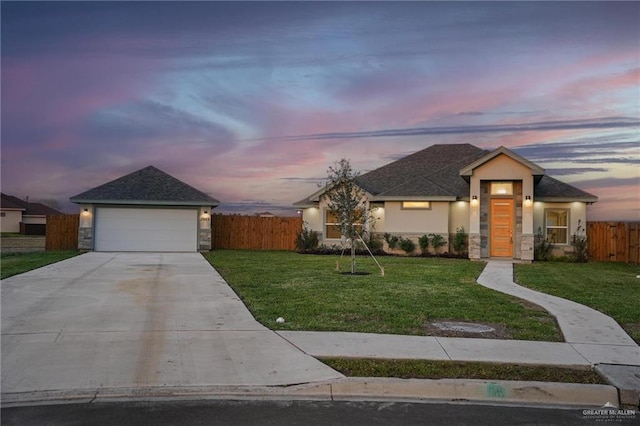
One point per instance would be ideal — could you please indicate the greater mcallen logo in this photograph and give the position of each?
(609, 413)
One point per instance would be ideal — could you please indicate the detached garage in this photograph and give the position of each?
(147, 210)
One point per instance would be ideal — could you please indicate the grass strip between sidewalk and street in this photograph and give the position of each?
(308, 292)
(17, 263)
(609, 287)
(423, 369)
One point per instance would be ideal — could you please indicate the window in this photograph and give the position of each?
(557, 225)
(424, 205)
(501, 188)
(332, 225)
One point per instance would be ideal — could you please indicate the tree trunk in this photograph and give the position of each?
(353, 257)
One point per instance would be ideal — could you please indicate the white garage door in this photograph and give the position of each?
(138, 229)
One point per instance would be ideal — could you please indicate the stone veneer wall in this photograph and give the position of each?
(517, 238)
(85, 238)
(205, 239)
(485, 190)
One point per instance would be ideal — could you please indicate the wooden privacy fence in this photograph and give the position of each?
(614, 241)
(254, 232)
(62, 232)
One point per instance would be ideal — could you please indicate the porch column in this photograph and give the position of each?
(204, 231)
(85, 230)
(528, 240)
(474, 219)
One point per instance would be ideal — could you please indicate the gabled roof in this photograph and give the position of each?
(28, 209)
(535, 169)
(440, 173)
(146, 186)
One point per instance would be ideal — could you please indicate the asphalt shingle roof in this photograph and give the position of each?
(146, 186)
(30, 209)
(435, 172)
(549, 187)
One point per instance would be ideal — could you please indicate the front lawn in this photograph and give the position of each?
(17, 263)
(609, 287)
(308, 292)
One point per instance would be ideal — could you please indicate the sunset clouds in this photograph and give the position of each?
(251, 102)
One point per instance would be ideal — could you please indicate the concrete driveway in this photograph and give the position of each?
(137, 320)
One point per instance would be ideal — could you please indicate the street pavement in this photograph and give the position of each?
(122, 325)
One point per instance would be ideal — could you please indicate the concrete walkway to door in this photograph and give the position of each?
(135, 320)
(596, 336)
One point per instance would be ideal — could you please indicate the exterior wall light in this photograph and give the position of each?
(527, 200)
(474, 200)
(85, 212)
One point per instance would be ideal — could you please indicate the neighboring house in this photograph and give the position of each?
(24, 217)
(500, 199)
(147, 210)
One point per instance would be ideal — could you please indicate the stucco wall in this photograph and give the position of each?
(458, 216)
(434, 220)
(11, 221)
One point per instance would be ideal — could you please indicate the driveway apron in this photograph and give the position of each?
(110, 320)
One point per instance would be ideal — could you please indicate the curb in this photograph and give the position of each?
(348, 389)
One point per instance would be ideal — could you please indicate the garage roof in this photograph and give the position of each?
(149, 186)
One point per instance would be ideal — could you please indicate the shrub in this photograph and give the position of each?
(375, 244)
(461, 240)
(407, 245)
(392, 240)
(542, 247)
(579, 244)
(423, 242)
(306, 239)
(437, 241)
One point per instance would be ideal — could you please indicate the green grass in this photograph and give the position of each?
(17, 263)
(421, 369)
(311, 295)
(609, 287)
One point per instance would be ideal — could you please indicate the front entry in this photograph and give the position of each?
(501, 236)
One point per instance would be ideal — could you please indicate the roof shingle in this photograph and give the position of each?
(146, 186)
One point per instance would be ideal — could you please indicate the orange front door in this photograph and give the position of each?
(501, 240)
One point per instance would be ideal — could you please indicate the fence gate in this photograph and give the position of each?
(614, 241)
(62, 232)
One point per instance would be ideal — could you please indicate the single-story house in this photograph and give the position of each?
(501, 199)
(23, 217)
(147, 210)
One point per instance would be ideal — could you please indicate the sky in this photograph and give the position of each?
(251, 102)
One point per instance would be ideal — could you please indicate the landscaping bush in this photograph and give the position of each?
(375, 244)
(437, 241)
(579, 244)
(392, 240)
(423, 242)
(407, 245)
(460, 241)
(542, 247)
(306, 240)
